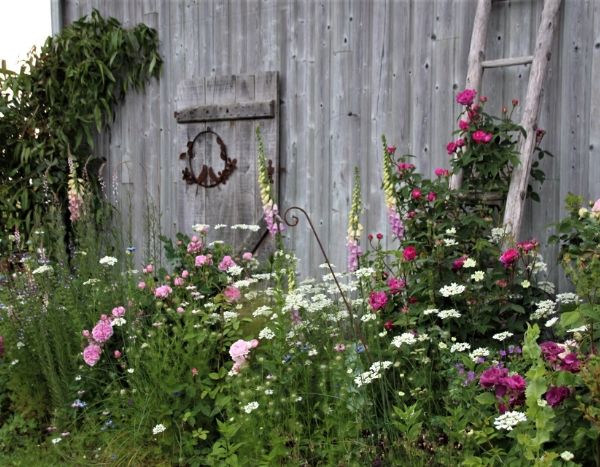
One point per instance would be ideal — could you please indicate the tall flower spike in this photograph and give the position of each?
(270, 209)
(75, 192)
(394, 219)
(354, 226)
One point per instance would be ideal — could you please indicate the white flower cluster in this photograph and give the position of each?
(368, 317)
(502, 336)
(235, 270)
(42, 269)
(469, 263)
(251, 228)
(478, 353)
(452, 313)
(364, 272)
(551, 322)
(250, 407)
(450, 242)
(567, 298)
(318, 303)
(547, 287)
(262, 311)
(200, 228)
(266, 334)
(407, 338)
(583, 328)
(158, 429)
(451, 231)
(460, 347)
(478, 276)
(508, 420)
(229, 315)
(431, 311)
(543, 309)
(108, 261)
(497, 234)
(373, 373)
(91, 281)
(244, 282)
(452, 289)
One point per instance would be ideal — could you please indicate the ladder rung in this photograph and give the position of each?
(507, 62)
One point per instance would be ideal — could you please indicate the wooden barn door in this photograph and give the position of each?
(217, 119)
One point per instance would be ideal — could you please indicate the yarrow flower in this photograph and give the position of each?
(508, 420)
(452, 313)
(501, 336)
(407, 338)
(250, 407)
(158, 429)
(452, 289)
(108, 261)
(374, 372)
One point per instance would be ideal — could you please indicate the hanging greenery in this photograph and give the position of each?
(51, 109)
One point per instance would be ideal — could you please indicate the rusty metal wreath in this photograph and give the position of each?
(207, 176)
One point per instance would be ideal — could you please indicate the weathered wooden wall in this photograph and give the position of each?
(351, 70)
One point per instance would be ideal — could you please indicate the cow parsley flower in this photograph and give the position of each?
(407, 338)
(478, 353)
(567, 456)
(501, 336)
(452, 313)
(469, 263)
(266, 334)
(460, 347)
(250, 407)
(478, 276)
(42, 269)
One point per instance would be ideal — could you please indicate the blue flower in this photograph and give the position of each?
(360, 348)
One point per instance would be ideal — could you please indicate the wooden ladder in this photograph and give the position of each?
(515, 203)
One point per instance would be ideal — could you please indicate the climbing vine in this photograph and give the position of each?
(51, 108)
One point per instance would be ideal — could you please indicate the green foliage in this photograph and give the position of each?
(53, 106)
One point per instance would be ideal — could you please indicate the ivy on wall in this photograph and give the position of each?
(51, 109)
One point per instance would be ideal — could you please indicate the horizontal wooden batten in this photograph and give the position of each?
(507, 62)
(237, 111)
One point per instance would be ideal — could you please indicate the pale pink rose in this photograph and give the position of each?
(596, 206)
(178, 281)
(247, 256)
(226, 263)
(141, 285)
(85, 333)
(232, 294)
(118, 311)
(180, 309)
(185, 274)
(163, 291)
(102, 331)
(202, 260)
(91, 354)
(117, 354)
(239, 350)
(148, 269)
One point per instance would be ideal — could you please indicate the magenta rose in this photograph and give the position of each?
(416, 193)
(481, 137)
(492, 376)
(515, 382)
(377, 300)
(396, 285)
(466, 97)
(441, 172)
(451, 147)
(409, 253)
(509, 257)
(463, 125)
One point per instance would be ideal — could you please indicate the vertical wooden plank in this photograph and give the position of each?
(593, 116)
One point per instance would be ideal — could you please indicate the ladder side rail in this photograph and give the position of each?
(515, 203)
(476, 56)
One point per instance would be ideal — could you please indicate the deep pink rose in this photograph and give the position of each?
(528, 245)
(451, 147)
(441, 172)
(405, 166)
(458, 263)
(395, 285)
(460, 142)
(463, 125)
(556, 395)
(431, 196)
(509, 257)
(515, 382)
(409, 253)
(466, 97)
(377, 300)
(570, 363)
(481, 137)
(415, 193)
(551, 350)
(391, 150)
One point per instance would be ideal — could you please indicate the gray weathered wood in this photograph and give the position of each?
(515, 202)
(500, 62)
(234, 111)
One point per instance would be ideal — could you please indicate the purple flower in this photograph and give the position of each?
(556, 395)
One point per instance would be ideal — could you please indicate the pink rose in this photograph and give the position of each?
(247, 256)
(466, 97)
(239, 350)
(91, 354)
(405, 166)
(596, 206)
(195, 245)
(185, 274)
(460, 142)
(463, 125)
(117, 354)
(148, 268)
(119, 311)
(415, 193)
(556, 395)
(226, 263)
(481, 137)
(458, 263)
(492, 376)
(409, 253)
(163, 291)
(395, 285)
(377, 300)
(528, 245)
(178, 281)
(441, 172)
(141, 285)
(102, 331)
(232, 294)
(451, 147)
(391, 150)
(431, 196)
(202, 260)
(180, 309)
(509, 257)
